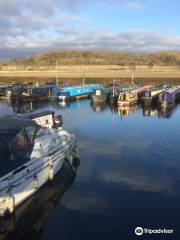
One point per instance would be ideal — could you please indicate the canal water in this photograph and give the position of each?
(129, 176)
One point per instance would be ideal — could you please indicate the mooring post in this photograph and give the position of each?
(56, 72)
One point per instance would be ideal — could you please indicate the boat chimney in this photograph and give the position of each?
(83, 79)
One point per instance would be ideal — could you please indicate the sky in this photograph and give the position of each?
(32, 26)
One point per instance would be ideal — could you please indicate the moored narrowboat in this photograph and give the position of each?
(112, 95)
(99, 96)
(127, 98)
(30, 93)
(169, 97)
(151, 95)
(5, 91)
(77, 92)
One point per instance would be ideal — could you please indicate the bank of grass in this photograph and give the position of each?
(124, 80)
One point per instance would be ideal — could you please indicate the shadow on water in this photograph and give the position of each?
(30, 218)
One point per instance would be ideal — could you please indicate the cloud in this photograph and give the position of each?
(135, 5)
(28, 27)
(68, 37)
(138, 180)
(88, 202)
(76, 5)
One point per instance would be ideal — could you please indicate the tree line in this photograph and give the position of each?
(80, 57)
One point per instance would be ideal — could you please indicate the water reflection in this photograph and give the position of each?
(25, 107)
(30, 218)
(167, 111)
(126, 111)
(129, 173)
(99, 107)
(148, 109)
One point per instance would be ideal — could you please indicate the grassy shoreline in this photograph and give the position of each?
(76, 77)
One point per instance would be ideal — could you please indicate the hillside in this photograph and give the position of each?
(79, 57)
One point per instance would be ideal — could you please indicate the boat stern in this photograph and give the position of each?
(7, 205)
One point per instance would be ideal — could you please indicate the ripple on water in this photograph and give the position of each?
(166, 144)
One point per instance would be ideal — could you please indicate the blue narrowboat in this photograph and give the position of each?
(75, 92)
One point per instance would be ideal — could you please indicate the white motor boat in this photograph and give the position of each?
(30, 155)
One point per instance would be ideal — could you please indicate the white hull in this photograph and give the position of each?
(21, 183)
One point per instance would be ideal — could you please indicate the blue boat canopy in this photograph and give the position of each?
(16, 142)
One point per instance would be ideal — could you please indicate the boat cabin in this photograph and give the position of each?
(126, 98)
(170, 95)
(75, 91)
(5, 91)
(167, 97)
(46, 119)
(98, 92)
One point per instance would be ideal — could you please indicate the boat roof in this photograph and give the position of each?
(28, 86)
(173, 89)
(139, 89)
(5, 85)
(41, 86)
(36, 114)
(15, 123)
(80, 86)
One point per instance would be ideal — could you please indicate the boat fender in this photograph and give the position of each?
(75, 153)
(51, 169)
(68, 156)
(35, 181)
(51, 173)
(11, 204)
(76, 162)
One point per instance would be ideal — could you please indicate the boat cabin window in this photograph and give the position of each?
(131, 95)
(147, 94)
(123, 97)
